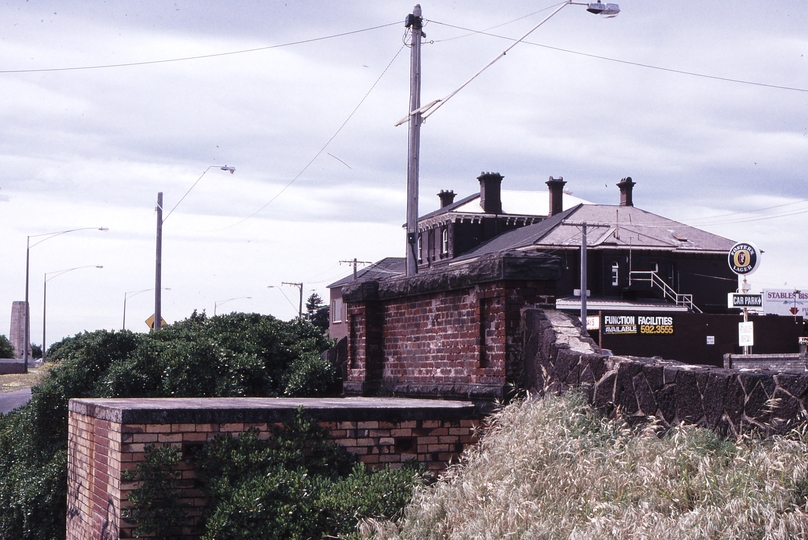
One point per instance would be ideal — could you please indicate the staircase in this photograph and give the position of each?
(668, 293)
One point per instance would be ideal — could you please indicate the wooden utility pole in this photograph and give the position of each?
(414, 22)
(158, 271)
(299, 286)
(354, 263)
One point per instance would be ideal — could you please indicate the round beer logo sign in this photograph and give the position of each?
(744, 258)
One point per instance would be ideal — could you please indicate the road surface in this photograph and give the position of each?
(12, 400)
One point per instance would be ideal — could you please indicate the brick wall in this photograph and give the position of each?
(108, 436)
(449, 333)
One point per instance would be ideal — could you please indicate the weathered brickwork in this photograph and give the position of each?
(728, 401)
(450, 333)
(457, 343)
(109, 436)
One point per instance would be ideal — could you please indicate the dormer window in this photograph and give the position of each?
(444, 241)
(615, 274)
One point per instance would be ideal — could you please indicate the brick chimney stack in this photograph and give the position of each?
(556, 186)
(490, 192)
(626, 187)
(446, 198)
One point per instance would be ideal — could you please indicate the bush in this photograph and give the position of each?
(294, 484)
(6, 348)
(232, 355)
(155, 503)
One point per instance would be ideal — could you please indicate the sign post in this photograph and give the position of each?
(743, 259)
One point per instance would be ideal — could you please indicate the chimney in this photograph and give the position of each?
(626, 186)
(490, 189)
(446, 198)
(556, 186)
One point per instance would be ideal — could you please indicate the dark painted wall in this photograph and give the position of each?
(688, 342)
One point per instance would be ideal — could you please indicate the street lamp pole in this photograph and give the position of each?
(130, 294)
(158, 271)
(415, 22)
(219, 303)
(418, 114)
(45, 299)
(27, 323)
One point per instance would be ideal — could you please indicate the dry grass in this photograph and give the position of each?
(20, 381)
(552, 468)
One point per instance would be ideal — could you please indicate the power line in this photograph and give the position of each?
(319, 152)
(199, 57)
(627, 62)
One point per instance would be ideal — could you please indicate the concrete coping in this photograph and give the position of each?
(267, 410)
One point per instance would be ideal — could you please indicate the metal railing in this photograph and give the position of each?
(668, 293)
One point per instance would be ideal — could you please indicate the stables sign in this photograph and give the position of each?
(637, 324)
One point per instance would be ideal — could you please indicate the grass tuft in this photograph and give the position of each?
(553, 467)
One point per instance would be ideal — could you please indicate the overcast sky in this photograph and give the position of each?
(660, 93)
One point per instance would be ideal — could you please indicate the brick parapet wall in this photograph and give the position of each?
(795, 362)
(728, 401)
(447, 333)
(109, 436)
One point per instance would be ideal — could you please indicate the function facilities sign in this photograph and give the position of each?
(785, 302)
(637, 324)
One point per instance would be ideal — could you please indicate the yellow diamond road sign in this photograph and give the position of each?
(150, 322)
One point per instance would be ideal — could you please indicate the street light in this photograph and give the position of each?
(45, 298)
(27, 323)
(418, 114)
(220, 302)
(158, 273)
(130, 294)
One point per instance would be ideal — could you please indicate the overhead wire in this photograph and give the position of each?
(323, 148)
(198, 57)
(618, 61)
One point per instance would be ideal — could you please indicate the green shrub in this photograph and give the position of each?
(233, 355)
(6, 348)
(155, 502)
(294, 484)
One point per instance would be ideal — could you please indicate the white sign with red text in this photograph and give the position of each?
(789, 302)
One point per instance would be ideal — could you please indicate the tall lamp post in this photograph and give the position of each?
(27, 323)
(158, 273)
(220, 302)
(130, 294)
(46, 279)
(418, 114)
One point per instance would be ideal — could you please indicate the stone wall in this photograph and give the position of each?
(16, 334)
(728, 401)
(109, 436)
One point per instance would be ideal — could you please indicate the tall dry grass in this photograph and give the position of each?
(553, 468)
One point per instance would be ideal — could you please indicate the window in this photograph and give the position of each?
(615, 274)
(444, 241)
(420, 248)
(336, 310)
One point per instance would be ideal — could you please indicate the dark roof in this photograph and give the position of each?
(385, 268)
(449, 207)
(608, 227)
(523, 236)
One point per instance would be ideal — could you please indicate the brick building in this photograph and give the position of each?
(655, 285)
